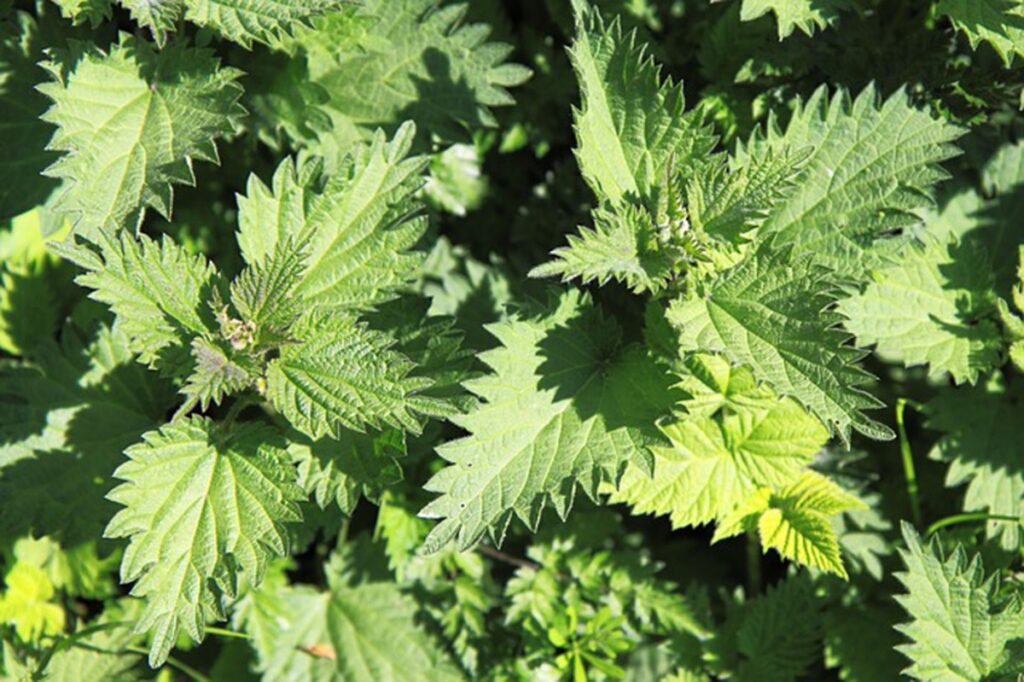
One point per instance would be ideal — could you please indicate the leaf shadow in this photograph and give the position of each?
(442, 106)
(585, 361)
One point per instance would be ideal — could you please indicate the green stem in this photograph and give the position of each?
(186, 670)
(64, 642)
(970, 517)
(753, 564)
(908, 459)
(224, 632)
(236, 409)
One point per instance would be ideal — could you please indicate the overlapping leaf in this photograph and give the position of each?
(585, 406)
(65, 420)
(631, 124)
(130, 121)
(933, 306)
(735, 438)
(961, 629)
(997, 22)
(982, 432)
(872, 164)
(388, 61)
(771, 314)
(201, 504)
(356, 230)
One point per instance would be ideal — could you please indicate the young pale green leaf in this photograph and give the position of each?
(982, 427)
(631, 128)
(584, 407)
(341, 375)
(130, 121)
(771, 313)
(264, 296)
(28, 603)
(388, 61)
(930, 307)
(736, 437)
(201, 506)
(1000, 23)
(356, 231)
(871, 166)
(159, 293)
(32, 282)
(794, 521)
(807, 15)
(962, 629)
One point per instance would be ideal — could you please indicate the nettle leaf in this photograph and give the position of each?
(981, 442)
(373, 632)
(729, 202)
(631, 124)
(807, 15)
(584, 406)
(341, 470)
(775, 636)
(1000, 23)
(261, 21)
(243, 21)
(389, 61)
(286, 624)
(215, 374)
(202, 505)
(264, 294)
(130, 121)
(930, 307)
(435, 347)
(353, 633)
(355, 231)
(339, 374)
(160, 293)
(772, 314)
(963, 628)
(103, 654)
(159, 16)
(736, 437)
(871, 166)
(794, 521)
(65, 420)
(623, 245)
(81, 11)
(22, 187)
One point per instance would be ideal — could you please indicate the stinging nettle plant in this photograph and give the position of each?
(306, 322)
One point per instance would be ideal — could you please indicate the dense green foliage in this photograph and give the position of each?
(312, 313)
